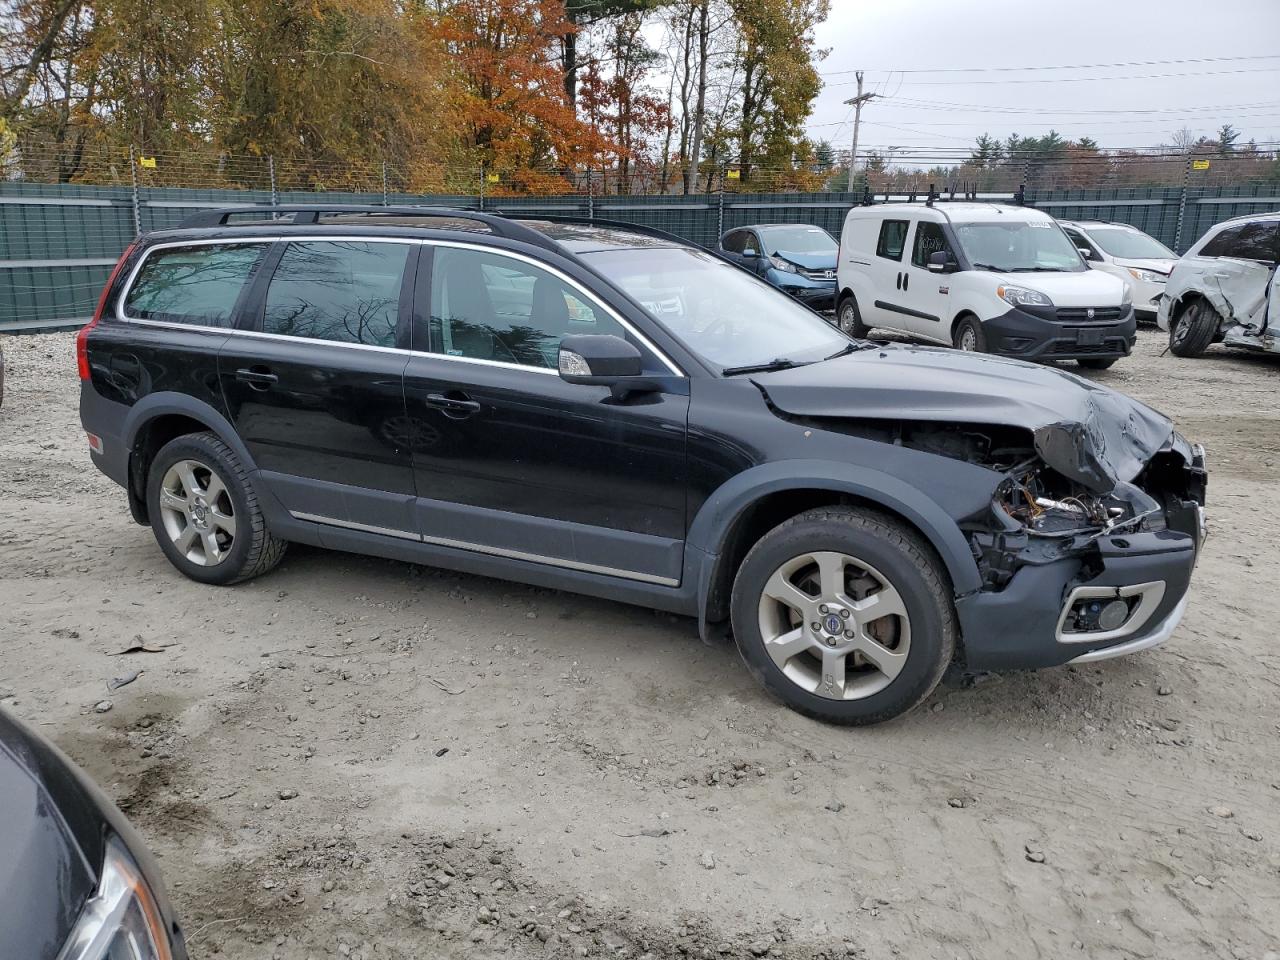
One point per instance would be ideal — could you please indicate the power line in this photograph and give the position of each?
(950, 107)
(1073, 66)
(1138, 76)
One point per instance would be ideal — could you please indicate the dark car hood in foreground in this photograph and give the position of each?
(810, 261)
(1088, 433)
(45, 877)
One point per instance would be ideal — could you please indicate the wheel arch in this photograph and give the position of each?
(737, 515)
(962, 314)
(159, 418)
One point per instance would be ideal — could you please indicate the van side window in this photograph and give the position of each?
(196, 285)
(348, 291)
(893, 237)
(929, 240)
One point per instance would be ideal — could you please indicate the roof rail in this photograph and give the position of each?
(612, 224)
(309, 213)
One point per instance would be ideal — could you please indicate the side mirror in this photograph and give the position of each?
(1088, 254)
(940, 261)
(750, 253)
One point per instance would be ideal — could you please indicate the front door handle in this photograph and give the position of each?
(454, 404)
(257, 377)
(906, 278)
(897, 284)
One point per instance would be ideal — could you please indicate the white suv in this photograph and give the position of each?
(1225, 289)
(1137, 258)
(995, 278)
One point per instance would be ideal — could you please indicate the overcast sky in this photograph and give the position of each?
(890, 38)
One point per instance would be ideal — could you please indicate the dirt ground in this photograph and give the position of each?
(365, 759)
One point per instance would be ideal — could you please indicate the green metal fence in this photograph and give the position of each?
(59, 242)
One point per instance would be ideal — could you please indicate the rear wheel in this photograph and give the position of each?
(968, 336)
(845, 615)
(849, 318)
(205, 514)
(1194, 329)
(1097, 363)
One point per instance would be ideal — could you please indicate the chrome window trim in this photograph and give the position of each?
(488, 550)
(592, 299)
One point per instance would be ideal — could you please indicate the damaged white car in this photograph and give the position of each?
(1224, 289)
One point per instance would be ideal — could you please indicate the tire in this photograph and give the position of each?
(874, 555)
(849, 318)
(969, 336)
(1097, 363)
(1193, 331)
(209, 523)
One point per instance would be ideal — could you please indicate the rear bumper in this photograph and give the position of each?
(104, 419)
(1021, 626)
(1018, 333)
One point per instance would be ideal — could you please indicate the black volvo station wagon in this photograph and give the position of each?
(606, 409)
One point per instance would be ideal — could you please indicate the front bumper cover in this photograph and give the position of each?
(1018, 627)
(1031, 336)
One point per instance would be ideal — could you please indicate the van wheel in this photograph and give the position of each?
(1097, 363)
(845, 615)
(1194, 330)
(968, 336)
(205, 514)
(849, 318)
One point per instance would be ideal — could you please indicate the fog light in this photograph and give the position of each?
(1113, 615)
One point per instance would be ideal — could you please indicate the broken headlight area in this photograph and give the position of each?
(1039, 516)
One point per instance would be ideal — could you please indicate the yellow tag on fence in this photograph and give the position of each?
(147, 162)
(493, 178)
(733, 174)
(1199, 164)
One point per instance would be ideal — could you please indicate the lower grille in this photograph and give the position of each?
(1112, 346)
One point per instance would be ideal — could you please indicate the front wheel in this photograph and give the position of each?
(968, 336)
(1194, 329)
(849, 318)
(205, 514)
(845, 615)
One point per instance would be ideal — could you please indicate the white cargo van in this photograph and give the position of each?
(990, 277)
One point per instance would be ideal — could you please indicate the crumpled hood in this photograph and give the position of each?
(1087, 432)
(1159, 264)
(810, 261)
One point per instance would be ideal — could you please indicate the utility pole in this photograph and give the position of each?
(856, 103)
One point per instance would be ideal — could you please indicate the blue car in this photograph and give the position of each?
(796, 257)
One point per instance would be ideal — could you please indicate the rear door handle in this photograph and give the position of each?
(257, 377)
(897, 284)
(459, 405)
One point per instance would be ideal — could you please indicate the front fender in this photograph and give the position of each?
(716, 518)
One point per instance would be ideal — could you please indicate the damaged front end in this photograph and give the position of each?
(1100, 568)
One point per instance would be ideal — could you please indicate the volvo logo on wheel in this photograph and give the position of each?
(833, 623)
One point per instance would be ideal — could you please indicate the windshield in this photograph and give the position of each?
(1013, 246)
(798, 240)
(719, 311)
(1130, 244)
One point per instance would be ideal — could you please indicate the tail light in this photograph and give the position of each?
(82, 338)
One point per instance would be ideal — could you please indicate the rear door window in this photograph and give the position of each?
(196, 285)
(347, 291)
(893, 238)
(1249, 241)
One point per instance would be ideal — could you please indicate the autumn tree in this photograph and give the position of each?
(779, 81)
(512, 109)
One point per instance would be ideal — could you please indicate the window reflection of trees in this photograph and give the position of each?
(337, 290)
(192, 285)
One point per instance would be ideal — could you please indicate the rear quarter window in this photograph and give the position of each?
(196, 285)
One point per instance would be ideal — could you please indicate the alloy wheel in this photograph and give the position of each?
(834, 625)
(197, 512)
